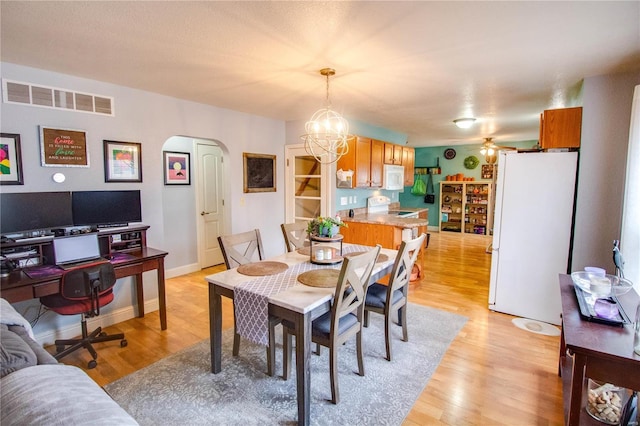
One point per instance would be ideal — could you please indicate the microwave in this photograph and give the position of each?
(393, 177)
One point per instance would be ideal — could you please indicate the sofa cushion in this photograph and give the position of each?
(15, 353)
(57, 395)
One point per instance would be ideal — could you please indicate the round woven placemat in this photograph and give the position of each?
(305, 251)
(381, 257)
(325, 278)
(266, 267)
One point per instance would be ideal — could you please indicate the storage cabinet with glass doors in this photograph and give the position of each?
(466, 207)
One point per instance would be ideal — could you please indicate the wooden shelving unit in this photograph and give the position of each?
(466, 207)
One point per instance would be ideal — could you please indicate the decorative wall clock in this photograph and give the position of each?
(449, 153)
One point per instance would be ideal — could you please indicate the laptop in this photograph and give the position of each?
(78, 250)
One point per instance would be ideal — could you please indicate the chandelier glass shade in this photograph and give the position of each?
(327, 132)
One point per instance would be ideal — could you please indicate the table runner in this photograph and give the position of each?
(251, 299)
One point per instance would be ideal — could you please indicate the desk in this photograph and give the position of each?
(18, 286)
(600, 352)
(299, 304)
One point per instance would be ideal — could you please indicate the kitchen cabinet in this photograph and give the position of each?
(466, 207)
(369, 234)
(408, 160)
(560, 128)
(393, 154)
(365, 158)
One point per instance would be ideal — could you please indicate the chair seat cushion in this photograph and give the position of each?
(63, 306)
(322, 325)
(377, 295)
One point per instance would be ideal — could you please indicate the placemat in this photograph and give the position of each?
(325, 278)
(259, 269)
(381, 257)
(305, 251)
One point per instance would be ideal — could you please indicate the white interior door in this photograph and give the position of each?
(210, 204)
(307, 187)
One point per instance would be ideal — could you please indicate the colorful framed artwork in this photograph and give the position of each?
(259, 172)
(177, 168)
(10, 160)
(63, 148)
(122, 161)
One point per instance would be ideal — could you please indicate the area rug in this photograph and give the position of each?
(181, 389)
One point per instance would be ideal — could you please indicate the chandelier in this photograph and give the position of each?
(327, 132)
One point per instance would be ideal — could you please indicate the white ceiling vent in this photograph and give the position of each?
(16, 92)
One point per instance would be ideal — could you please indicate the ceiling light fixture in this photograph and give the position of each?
(327, 132)
(464, 123)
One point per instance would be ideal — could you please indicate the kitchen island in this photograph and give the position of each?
(386, 228)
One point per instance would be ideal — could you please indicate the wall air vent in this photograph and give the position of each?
(16, 92)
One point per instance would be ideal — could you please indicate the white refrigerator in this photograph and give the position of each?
(532, 232)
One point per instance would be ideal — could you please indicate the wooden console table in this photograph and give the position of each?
(130, 257)
(591, 350)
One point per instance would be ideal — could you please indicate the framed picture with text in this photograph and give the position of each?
(177, 168)
(10, 160)
(63, 147)
(122, 161)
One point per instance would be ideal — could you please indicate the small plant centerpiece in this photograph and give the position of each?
(325, 226)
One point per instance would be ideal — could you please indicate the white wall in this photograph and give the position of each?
(150, 119)
(603, 151)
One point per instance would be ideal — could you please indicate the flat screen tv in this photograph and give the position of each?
(106, 208)
(31, 211)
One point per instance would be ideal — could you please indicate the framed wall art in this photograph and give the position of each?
(122, 161)
(10, 160)
(63, 147)
(259, 172)
(177, 168)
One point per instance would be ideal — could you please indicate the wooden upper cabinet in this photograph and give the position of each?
(408, 160)
(377, 157)
(560, 128)
(365, 158)
(392, 154)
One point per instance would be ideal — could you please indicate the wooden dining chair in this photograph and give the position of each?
(388, 299)
(343, 321)
(295, 235)
(241, 249)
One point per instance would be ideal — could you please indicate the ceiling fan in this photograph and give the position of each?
(490, 150)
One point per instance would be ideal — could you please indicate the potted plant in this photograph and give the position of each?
(326, 226)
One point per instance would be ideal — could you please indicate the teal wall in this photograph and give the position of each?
(428, 157)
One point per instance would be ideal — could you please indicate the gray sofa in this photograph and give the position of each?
(37, 390)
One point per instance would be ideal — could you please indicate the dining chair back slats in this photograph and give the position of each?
(387, 299)
(240, 249)
(295, 235)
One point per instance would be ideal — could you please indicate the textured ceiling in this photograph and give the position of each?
(411, 67)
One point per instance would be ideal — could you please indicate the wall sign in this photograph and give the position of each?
(63, 148)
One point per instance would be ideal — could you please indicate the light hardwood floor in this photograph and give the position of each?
(492, 374)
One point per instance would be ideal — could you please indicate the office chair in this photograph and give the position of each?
(84, 291)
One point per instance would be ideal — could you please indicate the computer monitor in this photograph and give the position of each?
(30, 211)
(106, 208)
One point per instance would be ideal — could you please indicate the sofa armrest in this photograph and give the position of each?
(57, 394)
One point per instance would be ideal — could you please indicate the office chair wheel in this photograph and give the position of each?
(92, 364)
(123, 343)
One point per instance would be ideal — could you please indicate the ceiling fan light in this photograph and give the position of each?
(464, 123)
(483, 151)
(490, 151)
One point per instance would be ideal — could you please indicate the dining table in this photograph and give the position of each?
(285, 297)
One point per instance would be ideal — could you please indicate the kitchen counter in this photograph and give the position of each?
(389, 219)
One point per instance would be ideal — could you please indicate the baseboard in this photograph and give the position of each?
(182, 270)
(103, 320)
